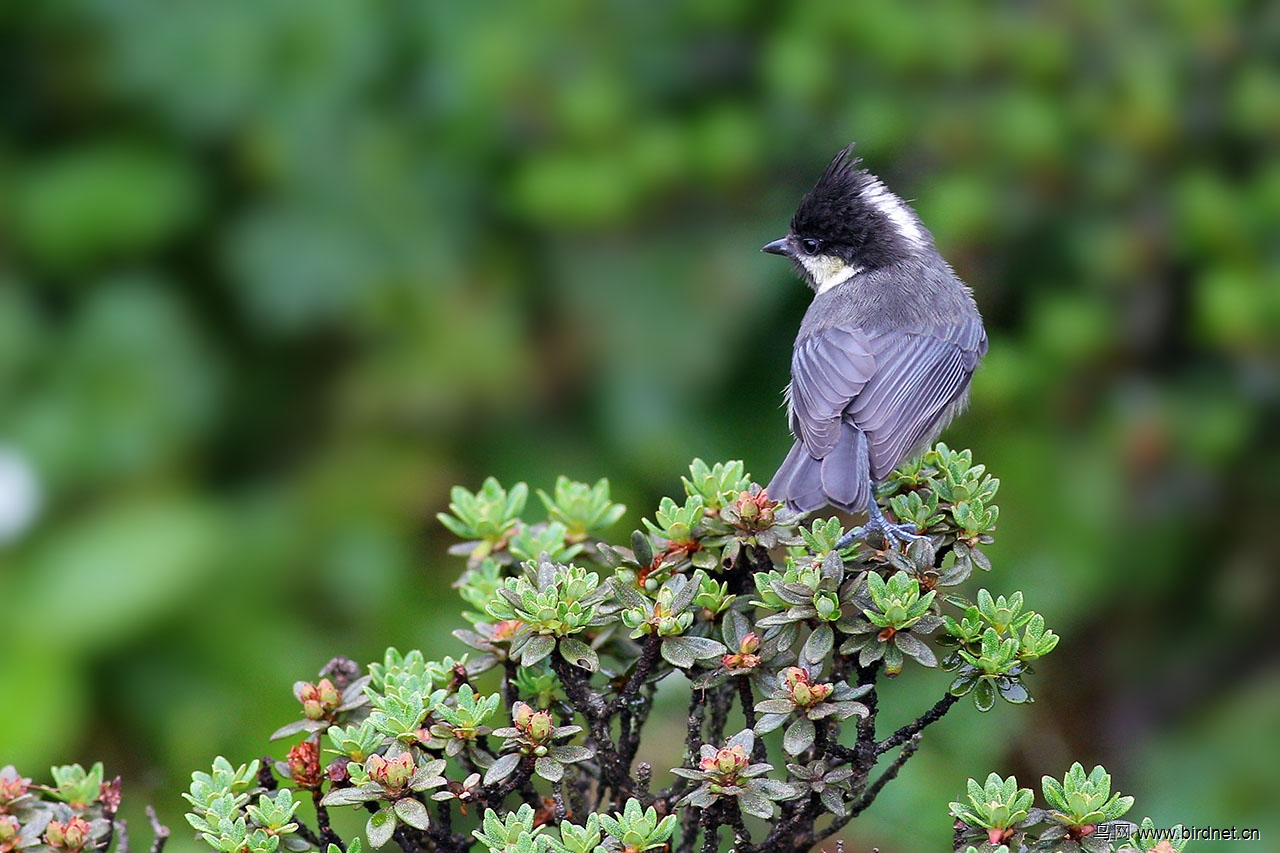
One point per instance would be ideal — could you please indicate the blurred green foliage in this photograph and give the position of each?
(274, 275)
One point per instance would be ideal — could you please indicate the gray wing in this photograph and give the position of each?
(918, 378)
(895, 387)
(828, 370)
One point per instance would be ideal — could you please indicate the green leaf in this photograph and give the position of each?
(570, 754)
(412, 812)
(984, 695)
(381, 826)
(641, 548)
(536, 648)
(549, 769)
(912, 645)
(503, 767)
(799, 736)
(755, 804)
(703, 648)
(818, 646)
(351, 796)
(677, 653)
(579, 654)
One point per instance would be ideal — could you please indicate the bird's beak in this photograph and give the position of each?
(777, 247)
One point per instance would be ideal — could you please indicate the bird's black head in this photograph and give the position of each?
(848, 223)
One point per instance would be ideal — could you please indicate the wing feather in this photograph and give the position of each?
(828, 370)
(896, 387)
(906, 401)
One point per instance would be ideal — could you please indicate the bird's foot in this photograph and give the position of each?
(892, 534)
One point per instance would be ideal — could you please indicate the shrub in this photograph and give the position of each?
(528, 741)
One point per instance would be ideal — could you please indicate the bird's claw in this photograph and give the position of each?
(892, 534)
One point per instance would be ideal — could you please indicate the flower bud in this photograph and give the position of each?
(329, 695)
(802, 691)
(755, 509)
(726, 764)
(634, 618)
(393, 774)
(338, 772)
(71, 835)
(12, 787)
(309, 694)
(794, 675)
(318, 700)
(541, 726)
(505, 631)
(8, 831)
(304, 764)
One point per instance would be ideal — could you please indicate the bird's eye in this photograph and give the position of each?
(810, 245)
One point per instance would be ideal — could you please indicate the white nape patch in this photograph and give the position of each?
(878, 196)
(827, 271)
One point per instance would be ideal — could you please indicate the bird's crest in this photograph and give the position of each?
(844, 203)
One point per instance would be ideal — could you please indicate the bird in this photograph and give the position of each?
(885, 352)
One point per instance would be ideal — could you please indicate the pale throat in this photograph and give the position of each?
(826, 271)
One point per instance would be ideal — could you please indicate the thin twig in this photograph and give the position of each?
(160, 832)
(307, 834)
(648, 657)
(327, 835)
(711, 831)
(873, 790)
(747, 699)
(510, 694)
(914, 727)
(741, 837)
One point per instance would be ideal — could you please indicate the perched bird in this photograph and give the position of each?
(885, 352)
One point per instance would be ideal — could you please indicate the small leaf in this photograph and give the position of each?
(579, 654)
(777, 790)
(818, 646)
(351, 796)
(704, 648)
(291, 729)
(799, 736)
(833, 800)
(911, 644)
(1014, 692)
(549, 769)
(676, 653)
(684, 597)
(381, 826)
(413, 813)
(754, 804)
(642, 549)
(570, 754)
(502, 768)
(984, 695)
(775, 706)
(536, 648)
(769, 722)
(628, 595)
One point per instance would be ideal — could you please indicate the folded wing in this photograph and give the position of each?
(895, 388)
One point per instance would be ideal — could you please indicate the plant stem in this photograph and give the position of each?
(916, 726)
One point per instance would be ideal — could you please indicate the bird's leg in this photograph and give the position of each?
(893, 534)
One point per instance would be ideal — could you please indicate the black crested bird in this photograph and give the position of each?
(885, 352)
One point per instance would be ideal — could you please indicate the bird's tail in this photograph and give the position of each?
(840, 478)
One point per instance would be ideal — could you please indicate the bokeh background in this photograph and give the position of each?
(276, 274)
